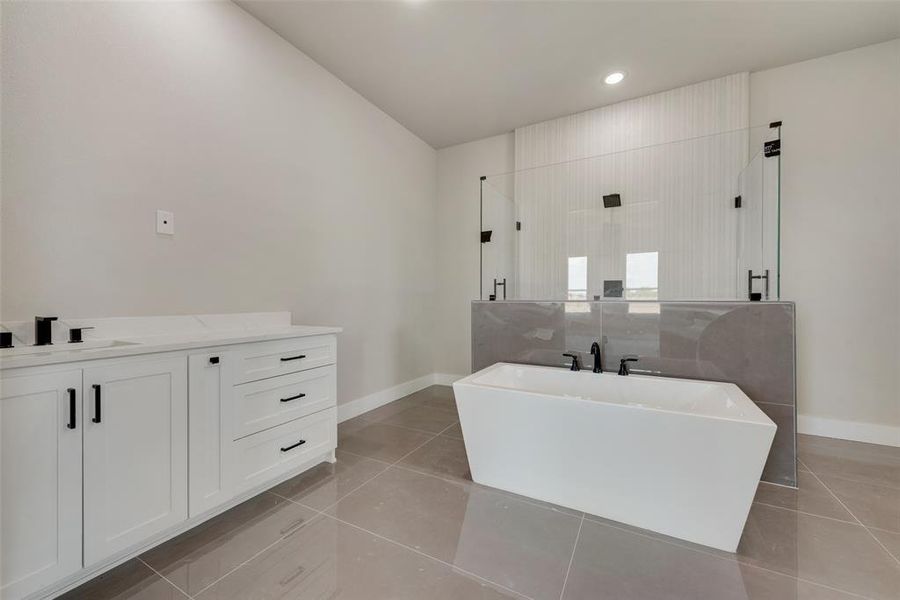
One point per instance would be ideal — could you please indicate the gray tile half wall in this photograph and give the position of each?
(750, 344)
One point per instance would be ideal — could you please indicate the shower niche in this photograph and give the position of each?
(696, 219)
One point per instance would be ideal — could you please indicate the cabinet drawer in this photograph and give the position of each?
(260, 457)
(268, 359)
(264, 404)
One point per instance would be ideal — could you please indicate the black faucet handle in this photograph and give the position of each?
(575, 366)
(45, 319)
(75, 334)
(623, 364)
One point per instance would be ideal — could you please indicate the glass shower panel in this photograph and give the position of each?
(654, 223)
(771, 239)
(759, 227)
(749, 204)
(498, 226)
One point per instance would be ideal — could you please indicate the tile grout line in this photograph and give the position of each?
(571, 558)
(378, 460)
(386, 464)
(880, 484)
(422, 445)
(511, 495)
(732, 558)
(323, 514)
(428, 556)
(399, 466)
(322, 511)
(852, 480)
(852, 514)
(803, 512)
(447, 479)
(166, 579)
(279, 540)
(402, 426)
(236, 567)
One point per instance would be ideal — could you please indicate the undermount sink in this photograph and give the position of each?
(63, 347)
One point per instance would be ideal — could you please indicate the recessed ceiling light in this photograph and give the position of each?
(614, 78)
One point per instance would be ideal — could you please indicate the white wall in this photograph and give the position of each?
(290, 191)
(459, 170)
(841, 233)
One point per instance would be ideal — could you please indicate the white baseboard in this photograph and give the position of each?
(446, 378)
(354, 408)
(857, 431)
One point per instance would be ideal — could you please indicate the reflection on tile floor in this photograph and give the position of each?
(398, 517)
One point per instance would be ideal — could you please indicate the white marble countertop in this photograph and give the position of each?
(135, 336)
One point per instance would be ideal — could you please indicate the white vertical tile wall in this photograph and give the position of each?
(674, 157)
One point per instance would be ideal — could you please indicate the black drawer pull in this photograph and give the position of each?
(292, 446)
(96, 417)
(71, 423)
(297, 397)
(298, 357)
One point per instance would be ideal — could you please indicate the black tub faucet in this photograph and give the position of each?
(575, 366)
(623, 364)
(43, 332)
(595, 350)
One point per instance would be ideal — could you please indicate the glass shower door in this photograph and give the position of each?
(758, 224)
(498, 227)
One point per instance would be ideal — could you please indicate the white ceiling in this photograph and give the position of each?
(452, 72)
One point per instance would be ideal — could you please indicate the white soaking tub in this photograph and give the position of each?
(675, 456)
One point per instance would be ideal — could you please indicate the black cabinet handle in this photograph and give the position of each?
(292, 446)
(71, 423)
(213, 360)
(297, 397)
(298, 357)
(96, 417)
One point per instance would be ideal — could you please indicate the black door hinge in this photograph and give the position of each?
(772, 148)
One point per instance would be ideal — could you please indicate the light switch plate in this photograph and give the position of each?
(165, 222)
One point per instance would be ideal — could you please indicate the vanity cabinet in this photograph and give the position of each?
(259, 411)
(135, 453)
(40, 489)
(209, 385)
(102, 459)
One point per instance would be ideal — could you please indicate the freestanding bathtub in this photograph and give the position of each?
(675, 456)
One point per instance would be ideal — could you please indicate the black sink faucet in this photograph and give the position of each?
(575, 366)
(623, 364)
(595, 350)
(43, 334)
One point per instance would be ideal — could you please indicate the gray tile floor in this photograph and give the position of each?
(397, 517)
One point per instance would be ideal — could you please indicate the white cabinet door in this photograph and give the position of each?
(40, 481)
(135, 452)
(209, 388)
